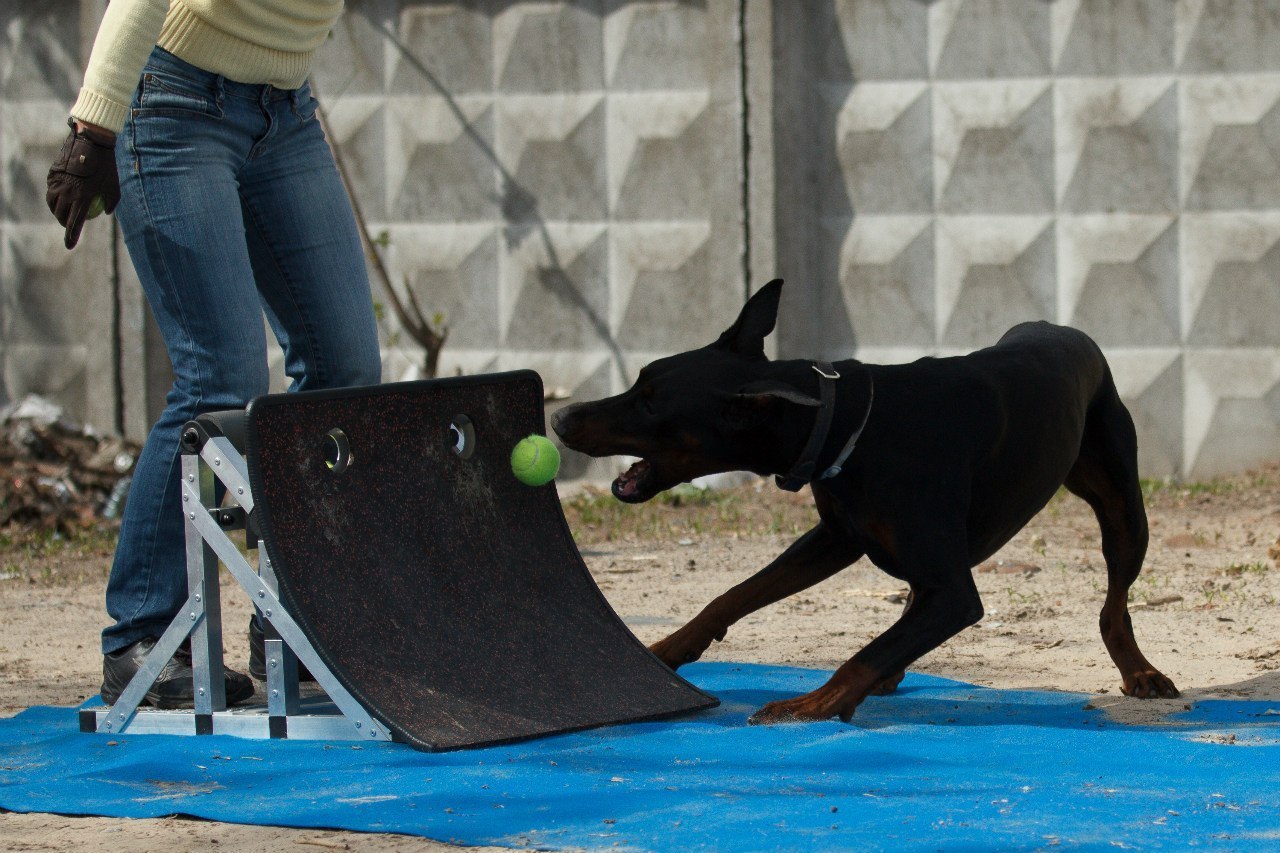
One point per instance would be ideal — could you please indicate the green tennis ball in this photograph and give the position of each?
(535, 460)
(96, 207)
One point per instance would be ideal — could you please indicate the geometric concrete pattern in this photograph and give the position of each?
(559, 180)
(577, 186)
(55, 334)
(1109, 164)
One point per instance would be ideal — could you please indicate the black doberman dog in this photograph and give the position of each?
(926, 468)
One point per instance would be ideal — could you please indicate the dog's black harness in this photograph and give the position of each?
(802, 471)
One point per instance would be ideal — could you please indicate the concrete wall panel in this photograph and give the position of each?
(1110, 165)
(579, 186)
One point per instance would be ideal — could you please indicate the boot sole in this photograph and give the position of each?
(163, 704)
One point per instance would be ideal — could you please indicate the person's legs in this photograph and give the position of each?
(231, 205)
(307, 258)
(178, 158)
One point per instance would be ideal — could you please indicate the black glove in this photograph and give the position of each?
(85, 170)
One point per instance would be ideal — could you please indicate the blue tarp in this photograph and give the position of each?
(938, 765)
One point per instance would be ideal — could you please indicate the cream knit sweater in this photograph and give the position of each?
(250, 41)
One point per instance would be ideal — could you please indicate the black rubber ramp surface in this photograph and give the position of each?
(447, 596)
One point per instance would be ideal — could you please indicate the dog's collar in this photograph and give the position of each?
(803, 470)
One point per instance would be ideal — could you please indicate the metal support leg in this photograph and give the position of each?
(119, 715)
(287, 714)
(202, 579)
(282, 664)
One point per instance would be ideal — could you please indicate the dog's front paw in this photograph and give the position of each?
(1149, 684)
(777, 712)
(675, 653)
(812, 707)
(687, 644)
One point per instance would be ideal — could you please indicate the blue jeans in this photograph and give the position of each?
(231, 207)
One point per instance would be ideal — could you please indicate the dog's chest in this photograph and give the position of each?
(882, 547)
(877, 537)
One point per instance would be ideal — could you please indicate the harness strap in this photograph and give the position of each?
(803, 470)
(838, 465)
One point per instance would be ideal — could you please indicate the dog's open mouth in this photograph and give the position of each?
(633, 485)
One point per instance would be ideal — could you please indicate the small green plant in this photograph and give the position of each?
(1213, 594)
(81, 554)
(1255, 568)
(1020, 597)
(1172, 486)
(97, 539)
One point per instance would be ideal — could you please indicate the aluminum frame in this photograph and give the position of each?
(286, 714)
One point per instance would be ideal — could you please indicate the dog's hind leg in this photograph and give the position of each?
(814, 557)
(1105, 475)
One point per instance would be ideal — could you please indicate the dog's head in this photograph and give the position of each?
(700, 412)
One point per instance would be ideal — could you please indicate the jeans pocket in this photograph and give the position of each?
(169, 94)
(304, 105)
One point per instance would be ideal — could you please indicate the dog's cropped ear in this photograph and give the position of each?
(755, 322)
(758, 400)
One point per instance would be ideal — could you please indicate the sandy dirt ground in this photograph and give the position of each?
(1206, 611)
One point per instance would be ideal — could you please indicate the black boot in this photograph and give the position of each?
(173, 688)
(258, 654)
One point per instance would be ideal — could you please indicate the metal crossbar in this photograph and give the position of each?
(207, 462)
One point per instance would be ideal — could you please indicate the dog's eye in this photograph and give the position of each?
(646, 399)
